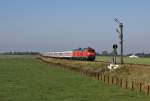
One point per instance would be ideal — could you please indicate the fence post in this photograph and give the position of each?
(132, 85)
(148, 90)
(140, 87)
(116, 80)
(108, 79)
(126, 84)
(98, 76)
(120, 82)
(82, 72)
(95, 75)
(104, 78)
(112, 80)
(86, 72)
(101, 76)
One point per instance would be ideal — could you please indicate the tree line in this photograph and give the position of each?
(106, 53)
(20, 53)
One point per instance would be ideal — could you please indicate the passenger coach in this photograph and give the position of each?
(77, 54)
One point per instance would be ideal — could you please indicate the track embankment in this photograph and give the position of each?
(97, 67)
(129, 76)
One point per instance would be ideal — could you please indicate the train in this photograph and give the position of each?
(88, 54)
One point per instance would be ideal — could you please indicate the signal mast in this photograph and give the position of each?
(120, 31)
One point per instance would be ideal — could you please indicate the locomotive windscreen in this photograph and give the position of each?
(91, 50)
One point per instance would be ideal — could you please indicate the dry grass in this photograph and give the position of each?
(27, 79)
(82, 65)
(130, 72)
(136, 75)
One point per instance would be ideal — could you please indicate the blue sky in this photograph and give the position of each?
(57, 25)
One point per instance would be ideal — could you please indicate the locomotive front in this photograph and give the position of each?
(91, 54)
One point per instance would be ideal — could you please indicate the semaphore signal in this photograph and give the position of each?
(120, 31)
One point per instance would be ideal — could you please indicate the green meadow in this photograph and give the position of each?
(140, 60)
(24, 78)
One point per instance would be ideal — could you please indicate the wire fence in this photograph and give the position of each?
(111, 80)
(121, 82)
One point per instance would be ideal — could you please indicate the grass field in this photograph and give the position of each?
(135, 72)
(23, 78)
(126, 59)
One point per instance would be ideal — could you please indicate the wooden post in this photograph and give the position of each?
(148, 90)
(120, 82)
(140, 87)
(104, 78)
(87, 73)
(112, 80)
(81, 72)
(116, 81)
(126, 84)
(132, 85)
(95, 75)
(101, 77)
(84, 72)
(98, 76)
(108, 79)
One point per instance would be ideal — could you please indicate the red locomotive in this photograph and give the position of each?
(77, 54)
